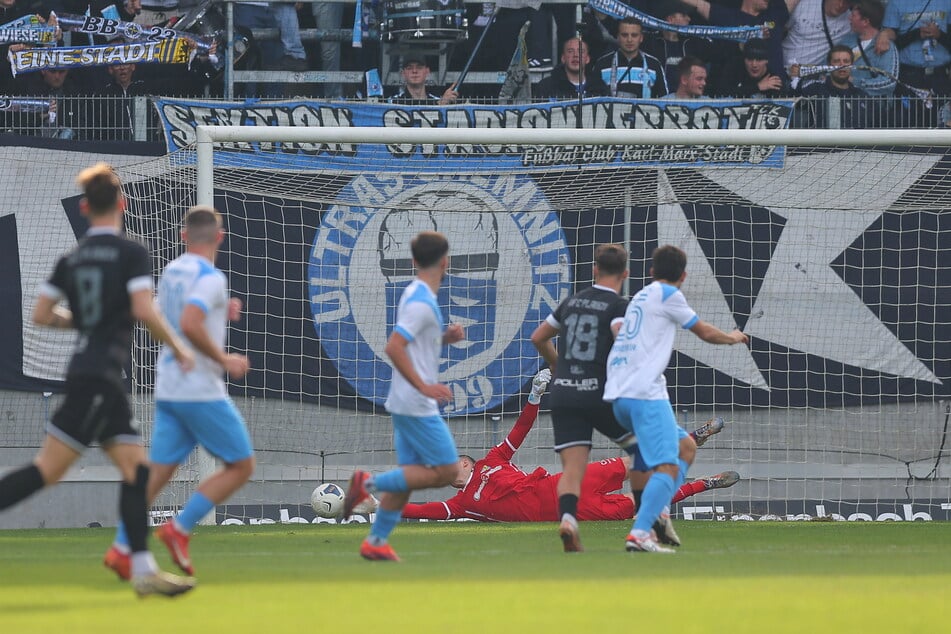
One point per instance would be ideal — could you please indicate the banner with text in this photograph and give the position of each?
(180, 117)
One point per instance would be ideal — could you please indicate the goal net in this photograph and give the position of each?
(833, 258)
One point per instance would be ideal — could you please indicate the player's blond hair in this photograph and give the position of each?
(101, 188)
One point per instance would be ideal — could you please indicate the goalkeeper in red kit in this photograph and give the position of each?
(493, 489)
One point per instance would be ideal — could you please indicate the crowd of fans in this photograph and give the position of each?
(887, 64)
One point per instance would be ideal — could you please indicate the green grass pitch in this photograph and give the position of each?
(760, 577)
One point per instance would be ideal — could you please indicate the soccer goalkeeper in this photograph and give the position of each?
(495, 490)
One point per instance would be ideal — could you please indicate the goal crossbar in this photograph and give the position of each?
(207, 136)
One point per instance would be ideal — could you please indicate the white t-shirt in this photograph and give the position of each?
(805, 41)
(192, 279)
(418, 319)
(642, 349)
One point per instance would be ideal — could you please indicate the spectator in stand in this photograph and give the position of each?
(152, 12)
(294, 57)
(414, 92)
(671, 47)
(571, 77)
(753, 13)
(919, 28)
(629, 71)
(67, 119)
(814, 28)
(329, 15)
(692, 79)
(865, 20)
(128, 10)
(600, 32)
(540, 34)
(752, 78)
(117, 110)
(11, 10)
(853, 105)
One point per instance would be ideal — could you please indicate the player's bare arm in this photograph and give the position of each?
(48, 312)
(542, 340)
(145, 311)
(396, 351)
(192, 322)
(711, 334)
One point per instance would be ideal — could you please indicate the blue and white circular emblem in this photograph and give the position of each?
(507, 272)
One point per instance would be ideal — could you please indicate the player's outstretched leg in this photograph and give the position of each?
(356, 492)
(721, 480)
(710, 428)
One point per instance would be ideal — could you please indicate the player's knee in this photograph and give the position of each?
(667, 468)
(243, 468)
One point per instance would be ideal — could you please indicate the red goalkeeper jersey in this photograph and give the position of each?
(498, 490)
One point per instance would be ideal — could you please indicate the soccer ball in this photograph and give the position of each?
(327, 500)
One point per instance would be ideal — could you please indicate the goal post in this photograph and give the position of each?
(828, 247)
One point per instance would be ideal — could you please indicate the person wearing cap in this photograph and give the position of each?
(753, 13)
(753, 78)
(414, 92)
(670, 47)
(628, 71)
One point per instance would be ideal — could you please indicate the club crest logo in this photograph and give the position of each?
(508, 269)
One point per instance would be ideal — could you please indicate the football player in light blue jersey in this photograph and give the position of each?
(638, 390)
(425, 449)
(194, 408)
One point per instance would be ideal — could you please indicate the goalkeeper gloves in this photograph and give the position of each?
(539, 384)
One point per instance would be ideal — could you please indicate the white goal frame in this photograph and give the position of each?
(208, 136)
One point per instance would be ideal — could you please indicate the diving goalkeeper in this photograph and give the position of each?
(493, 489)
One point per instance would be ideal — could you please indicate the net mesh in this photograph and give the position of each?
(832, 260)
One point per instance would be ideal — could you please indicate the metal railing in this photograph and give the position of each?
(439, 50)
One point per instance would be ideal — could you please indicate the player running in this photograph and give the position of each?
(638, 390)
(107, 281)
(195, 409)
(425, 449)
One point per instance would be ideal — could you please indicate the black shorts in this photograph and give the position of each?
(94, 410)
(575, 425)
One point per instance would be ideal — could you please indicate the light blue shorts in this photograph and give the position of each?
(423, 440)
(215, 425)
(656, 428)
